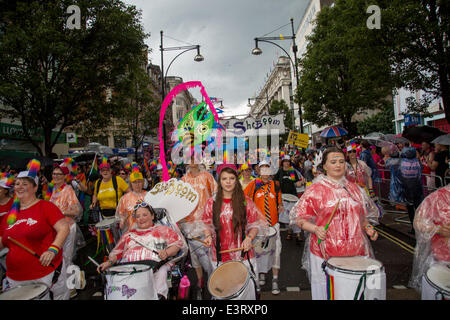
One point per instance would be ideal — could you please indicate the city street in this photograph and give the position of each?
(393, 248)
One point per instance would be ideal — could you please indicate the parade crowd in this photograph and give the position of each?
(327, 197)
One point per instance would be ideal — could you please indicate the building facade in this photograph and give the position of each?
(277, 87)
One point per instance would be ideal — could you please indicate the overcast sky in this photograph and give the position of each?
(225, 31)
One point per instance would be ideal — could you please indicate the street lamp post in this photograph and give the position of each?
(257, 51)
(266, 99)
(197, 58)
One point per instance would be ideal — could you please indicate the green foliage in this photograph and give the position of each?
(417, 33)
(54, 77)
(277, 107)
(380, 122)
(136, 107)
(344, 70)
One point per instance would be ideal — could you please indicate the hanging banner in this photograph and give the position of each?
(251, 126)
(298, 139)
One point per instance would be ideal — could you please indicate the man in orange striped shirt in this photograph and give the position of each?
(267, 196)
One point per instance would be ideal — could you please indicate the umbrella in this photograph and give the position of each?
(444, 139)
(395, 139)
(333, 131)
(375, 138)
(420, 134)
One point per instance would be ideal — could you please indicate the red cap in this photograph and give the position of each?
(64, 170)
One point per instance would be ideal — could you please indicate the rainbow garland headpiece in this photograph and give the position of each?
(135, 174)
(32, 170)
(13, 212)
(6, 180)
(70, 164)
(104, 163)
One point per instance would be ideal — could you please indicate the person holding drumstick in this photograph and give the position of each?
(34, 231)
(125, 209)
(332, 196)
(432, 226)
(147, 242)
(232, 220)
(203, 182)
(63, 196)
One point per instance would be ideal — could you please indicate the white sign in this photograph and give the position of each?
(176, 196)
(251, 126)
(71, 137)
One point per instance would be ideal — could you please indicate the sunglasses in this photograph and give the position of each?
(352, 151)
(142, 204)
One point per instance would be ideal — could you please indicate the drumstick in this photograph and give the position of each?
(232, 250)
(145, 246)
(331, 217)
(27, 249)
(95, 262)
(198, 239)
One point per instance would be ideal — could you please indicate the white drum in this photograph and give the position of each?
(436, 282)
(232, 281)
(130, 282)
(289, 201)
(266, 250)
(35, 291)
(346, 274)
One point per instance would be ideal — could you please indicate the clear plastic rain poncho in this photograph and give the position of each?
(346, 234)
(205, 185)
(360, 174)
(431, 247)
(125, 209)
(255, 219)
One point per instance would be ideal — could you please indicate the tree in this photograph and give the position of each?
(136, 107)
(344, 70)
(52, 76)
(417, 34)
(277, 107)
(380, 122)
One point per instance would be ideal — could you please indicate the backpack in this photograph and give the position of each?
(410, 168)
(114, 181)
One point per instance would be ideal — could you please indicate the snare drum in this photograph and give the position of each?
(130, 282)
(232, 281)
(289, 200)
(346, 274)
(108, 231)
(35, 291)
(266, 250)
(436, 283)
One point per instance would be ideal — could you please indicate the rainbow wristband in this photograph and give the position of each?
(369, 226)
(53, 249)
(371, 193)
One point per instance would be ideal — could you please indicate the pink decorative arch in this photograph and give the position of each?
(167, 100)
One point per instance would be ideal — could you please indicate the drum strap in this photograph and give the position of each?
(361, 288)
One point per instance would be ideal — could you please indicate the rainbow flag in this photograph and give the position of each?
(94, 168)
(330, 287)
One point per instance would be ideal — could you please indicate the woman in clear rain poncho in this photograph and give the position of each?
(148, 242)
(432, 226)
(232, 220)
(348, 230)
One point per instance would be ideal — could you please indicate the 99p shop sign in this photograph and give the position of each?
(251, 126)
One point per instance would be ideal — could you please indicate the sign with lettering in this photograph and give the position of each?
(298, 139)
(412, 119)
(251, 126)
(176, 196)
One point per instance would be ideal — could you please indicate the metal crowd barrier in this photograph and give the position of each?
(383, 187)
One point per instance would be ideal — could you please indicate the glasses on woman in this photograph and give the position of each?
(142, 204)
(57, 174)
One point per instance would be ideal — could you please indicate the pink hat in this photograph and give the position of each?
(64, 169)
(226, 165)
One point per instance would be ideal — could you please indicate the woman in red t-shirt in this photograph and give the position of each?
(38, 225)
